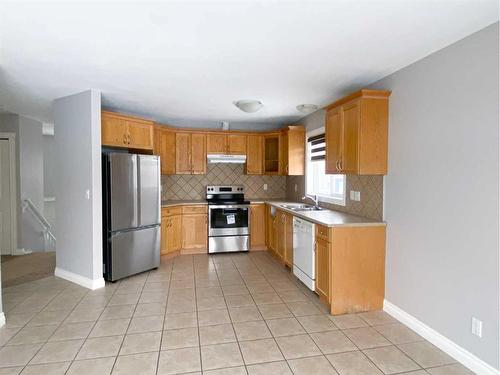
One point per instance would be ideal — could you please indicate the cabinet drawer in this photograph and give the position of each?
(194, 209)
(169, 211)
(323, 232)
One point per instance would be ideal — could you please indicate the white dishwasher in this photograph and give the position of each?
(304, 252)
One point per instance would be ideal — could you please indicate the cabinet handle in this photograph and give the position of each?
(128, 135)
(340, 163)
(286, 168)
(124, 139)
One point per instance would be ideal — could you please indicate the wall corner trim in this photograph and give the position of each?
(80, 280)
(463, 356)
(2, 319)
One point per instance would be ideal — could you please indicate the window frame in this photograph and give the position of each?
(322, 198)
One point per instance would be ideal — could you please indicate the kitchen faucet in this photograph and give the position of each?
(312, 197)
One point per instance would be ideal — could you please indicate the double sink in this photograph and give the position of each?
(298, 207)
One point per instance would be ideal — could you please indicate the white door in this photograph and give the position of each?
(5, 196)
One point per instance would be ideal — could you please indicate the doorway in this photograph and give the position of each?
(8, 217)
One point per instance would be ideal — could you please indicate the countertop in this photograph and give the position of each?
(324, 217)
(330, 218)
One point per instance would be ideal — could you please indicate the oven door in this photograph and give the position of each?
(228, 220)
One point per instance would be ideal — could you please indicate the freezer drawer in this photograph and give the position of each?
(134, 251)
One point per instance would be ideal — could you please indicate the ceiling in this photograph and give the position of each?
(184, 62)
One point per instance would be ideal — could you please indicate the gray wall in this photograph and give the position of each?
(441, 198)
(77, 121)
(29, 176)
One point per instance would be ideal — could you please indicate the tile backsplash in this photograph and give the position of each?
(370, 187)
(192, 187)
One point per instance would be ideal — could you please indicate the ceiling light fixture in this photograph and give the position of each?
(307, 108)
(249, 106)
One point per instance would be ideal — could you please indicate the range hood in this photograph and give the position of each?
(220, 158)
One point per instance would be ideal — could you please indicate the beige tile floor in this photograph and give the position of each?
(223, 314)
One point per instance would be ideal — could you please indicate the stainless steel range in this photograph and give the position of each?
(228, 219)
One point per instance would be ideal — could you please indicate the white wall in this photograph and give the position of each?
(29, 176)
(77, 121)
(441, 199)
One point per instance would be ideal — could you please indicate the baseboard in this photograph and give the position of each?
(193, 251)
(2, 319)
(463, 356)
(78, 279)
(21, 251)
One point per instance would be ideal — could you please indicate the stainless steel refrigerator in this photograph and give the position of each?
(131, 214)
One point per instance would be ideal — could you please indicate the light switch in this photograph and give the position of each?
(265, 186)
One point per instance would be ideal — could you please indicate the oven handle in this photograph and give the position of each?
(229, 206)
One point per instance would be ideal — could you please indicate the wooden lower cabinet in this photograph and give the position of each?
(350, 267)
(322, 267)
(171, 239)
(257, 226)
(288, 249)
(194, 227)
(280, 225)
(270, 228)
(183, 228)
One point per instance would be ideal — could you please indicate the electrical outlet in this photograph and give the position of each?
(477, 327)
(265, 186)
(355, 195)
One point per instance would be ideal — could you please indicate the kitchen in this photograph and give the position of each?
(228, 220)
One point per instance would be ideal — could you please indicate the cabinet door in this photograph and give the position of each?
(257, 225)
(183, 153)
(295, 151)
(167, 151)
(322, 268)
(198, 153)
(289, 240)
(113, 131)
(176, 232)
(254, 154)
(194, 231)
(280, 234)
(283, 163)
(140, 135)
(333, 139)
(216, 143)
(351, 122)
(237, 144)
(164, 235)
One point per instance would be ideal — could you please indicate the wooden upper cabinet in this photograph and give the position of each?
(183, 153)
(216, 143)
(257, 226)
(333, 140)
(254, 154)
(166, 140)
(198, 153)
(237, 144)
(140, 135)
(124, 131)
(356, 134)
(293, 149)
(113, 130)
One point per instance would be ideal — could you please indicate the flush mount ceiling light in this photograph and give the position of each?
(307, 108)
(249, 106)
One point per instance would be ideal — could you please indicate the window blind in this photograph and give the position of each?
(317, 147)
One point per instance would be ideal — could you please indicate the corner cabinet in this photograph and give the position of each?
(126, 132)
(356, 134)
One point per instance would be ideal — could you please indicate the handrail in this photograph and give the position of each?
(28, 203)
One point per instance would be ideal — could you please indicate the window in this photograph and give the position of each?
(328, 187)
